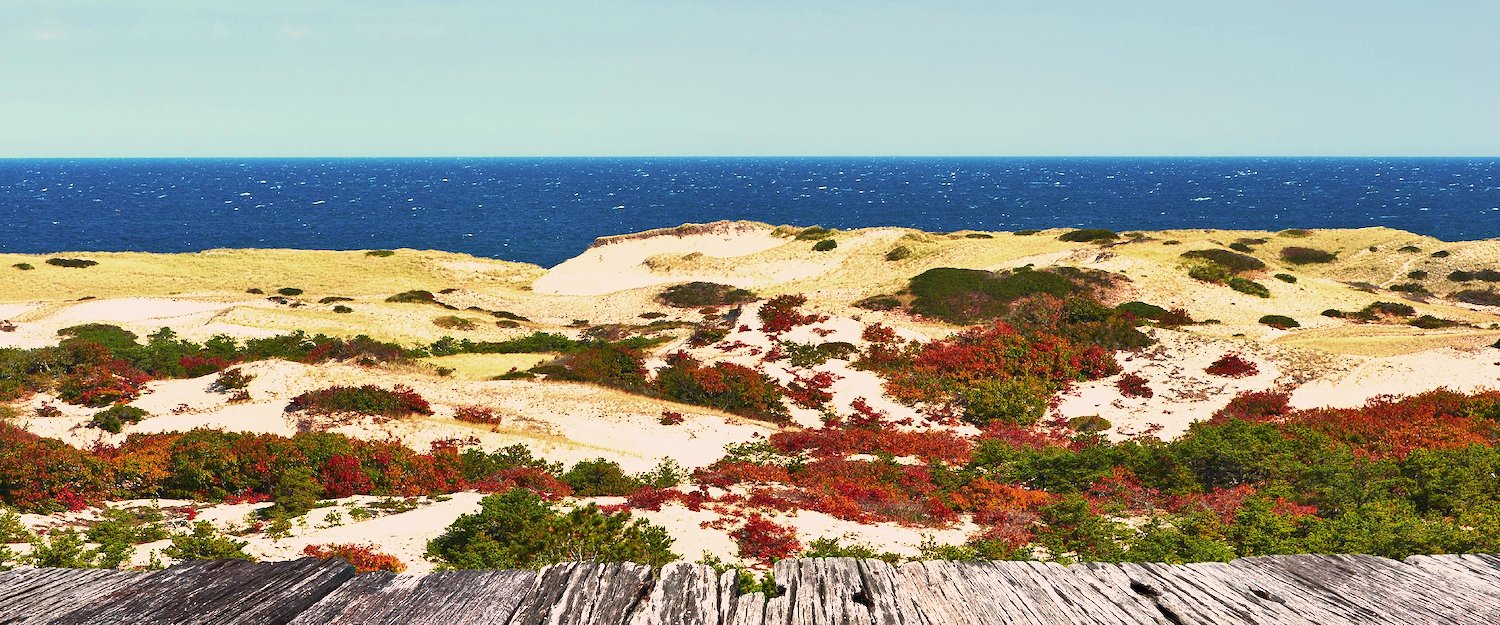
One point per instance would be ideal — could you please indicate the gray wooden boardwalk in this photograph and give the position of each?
(1305, 589)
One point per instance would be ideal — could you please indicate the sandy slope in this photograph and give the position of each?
(1327, 362)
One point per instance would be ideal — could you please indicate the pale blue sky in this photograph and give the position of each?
(766, 77)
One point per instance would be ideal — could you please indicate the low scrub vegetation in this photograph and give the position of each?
(519, 530)
(1234, 262)
(1482, 275)
(1088, 235)
(701, 294)
(1306, 255)
(1249, 287)
(1232, 366)
(825, 245)
(900, 252)
(74, 263)
(363, 400)
(1280, 322)
(1486, 297)
(365, 558)
(115, 418)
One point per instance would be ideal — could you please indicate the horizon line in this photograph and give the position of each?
(757, 156)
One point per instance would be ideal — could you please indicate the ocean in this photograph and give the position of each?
(546, 210)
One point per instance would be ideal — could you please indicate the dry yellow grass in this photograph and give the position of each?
(1382, 340)
(486, 366)
(318, 273)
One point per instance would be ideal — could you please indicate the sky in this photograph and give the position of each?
(180, 78)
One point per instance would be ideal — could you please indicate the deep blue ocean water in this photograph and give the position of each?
(545, 210)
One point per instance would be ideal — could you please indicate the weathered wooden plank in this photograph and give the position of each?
(622, 589)
(1477, 573)
(547, 588)
(1110, 585)
(1337, 585)
(38, 595)
(443, 598)
(749, 609)
(879, 581)
(685, 594)
(1084, 602)
(217, 592)
(729, 594)
(938, 593)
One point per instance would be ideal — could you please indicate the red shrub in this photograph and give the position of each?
(764, 541)
(723, 385)
(476, 414)
(46, 475)
(366, 400)
(782, 313)
(810, 391)
(364, 558)
(1254, 406)
(669, 417)
(935, 370)
(1232, 366)
(114, 381)
(1133, 385)
(343, 476)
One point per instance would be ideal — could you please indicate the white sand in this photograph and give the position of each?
(1459, 370)
(620, 265)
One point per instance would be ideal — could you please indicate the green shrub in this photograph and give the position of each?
(380, 253)
(1280, 322)
(1209, 272)
(412, 297)
(700, 294)
(599, 478)
(1410, 287)
(1086, 235)
(518, 530)
(965, 296)
(1409, 249)
(1235, 263)
(1251, 287)
(289, 291)
(825, 245)
(1484, 275)
(114, 418)
(1022, 401)
(1394, 309)
(1416, 275)
(112, 337)
(1027, 232)
(1241, 247)
(1429, 322)
(76, 263)
(23, 266)
(900, 252)
(1333, 313)
(454, 323)
(1441, 254)
(1142, 310)
(1286, 277)
(342, 309)
(878, 302)
(814, 233)
(206, 543)
(979, 235)
(1089, 424)
(334, 299)
(505, 314)
(1295, 233)
(1488, 297)
(1306, 255)
(365, 400)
